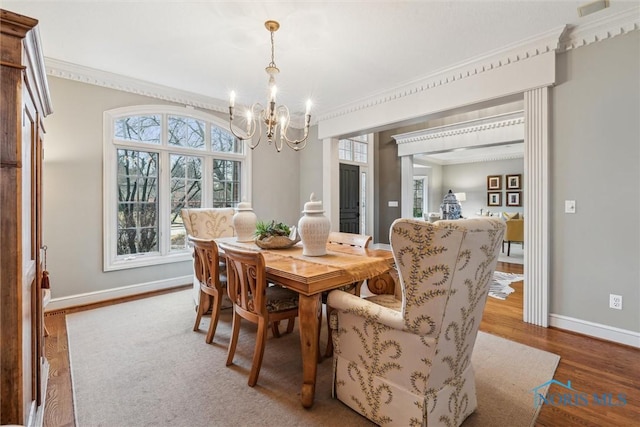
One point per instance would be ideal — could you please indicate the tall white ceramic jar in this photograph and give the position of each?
(244, 222)
(314, 228)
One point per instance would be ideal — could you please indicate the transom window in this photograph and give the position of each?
(159, 160)
(353, 149)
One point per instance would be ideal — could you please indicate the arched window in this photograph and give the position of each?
(158, 160)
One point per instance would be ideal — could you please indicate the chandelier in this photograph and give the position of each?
(276, 119)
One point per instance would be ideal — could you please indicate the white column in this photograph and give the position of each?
(536, 206)
(406, 184)
(331, 182)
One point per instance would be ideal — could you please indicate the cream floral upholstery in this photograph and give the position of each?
(408, 362)
(208, 223)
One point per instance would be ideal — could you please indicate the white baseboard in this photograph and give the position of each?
(609, 333)
(109, 294)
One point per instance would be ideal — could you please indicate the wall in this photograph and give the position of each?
(310, 169)
(73, 191)
(595, 160)
(471, 178)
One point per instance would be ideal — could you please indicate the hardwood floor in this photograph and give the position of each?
(593, 366)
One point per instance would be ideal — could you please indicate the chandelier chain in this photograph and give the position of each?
(273, 61)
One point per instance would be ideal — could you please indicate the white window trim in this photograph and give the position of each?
(111, 261)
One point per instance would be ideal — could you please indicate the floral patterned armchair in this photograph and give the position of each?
(208, 223)
(408, 362)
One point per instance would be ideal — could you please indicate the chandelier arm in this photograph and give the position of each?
(295, 143)
(256, 123)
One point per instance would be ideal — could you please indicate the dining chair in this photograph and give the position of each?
(348, 239)
(407, 361)
(207, 223)
(256, 301)
(206, 268)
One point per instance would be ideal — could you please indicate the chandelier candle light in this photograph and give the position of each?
(276, 118)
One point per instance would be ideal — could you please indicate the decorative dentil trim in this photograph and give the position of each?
(515, 52)
(471, 126)
(606, 28)
(558, 40)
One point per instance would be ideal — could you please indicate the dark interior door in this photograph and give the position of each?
(349, 198)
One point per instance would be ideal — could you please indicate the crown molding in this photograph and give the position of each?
(69, 71)
(603, 29)
(515, 52)
(501, 128)
(557, 40)
(457, 129)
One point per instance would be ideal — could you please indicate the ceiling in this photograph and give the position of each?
(334, 52)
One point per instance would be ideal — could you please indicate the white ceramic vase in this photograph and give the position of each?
(314, 228)
(244, 222)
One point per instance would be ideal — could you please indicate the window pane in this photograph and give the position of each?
(360, 152)
(138, 128)
(226, 183)
(224, 142)
(137, 202)
(345, 150)
(418, 198)
(186, 132)
(186, 192)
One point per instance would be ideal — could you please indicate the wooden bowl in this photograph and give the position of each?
(276, 242)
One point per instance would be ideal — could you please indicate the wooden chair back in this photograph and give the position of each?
(246, 282)
(350, 239)
(206, 268)
(206, 262)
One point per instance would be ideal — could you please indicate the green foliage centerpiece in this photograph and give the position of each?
(275, 235)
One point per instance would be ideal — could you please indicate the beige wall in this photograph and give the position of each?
(73, 191)
(595, 160)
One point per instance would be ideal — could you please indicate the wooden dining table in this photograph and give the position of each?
(310, 276)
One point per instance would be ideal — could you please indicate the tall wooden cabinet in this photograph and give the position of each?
(24, 103)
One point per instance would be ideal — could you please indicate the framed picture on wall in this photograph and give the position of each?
(494, 198)
(514, 198)
(514, 182)
(494, 182)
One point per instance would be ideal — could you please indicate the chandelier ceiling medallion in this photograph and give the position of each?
(276, 118)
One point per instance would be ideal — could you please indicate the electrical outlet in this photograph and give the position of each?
(615, 301)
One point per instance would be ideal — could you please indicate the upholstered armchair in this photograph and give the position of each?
(407, 361)
(514, 233)
(208, 223)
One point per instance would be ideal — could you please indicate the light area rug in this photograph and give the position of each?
(516, 256)
(140, 364)
(499, 287)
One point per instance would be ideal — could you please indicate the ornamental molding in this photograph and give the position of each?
(603, 29)
(92, 76)
(515, 52)
(462, 128)
(557, 40)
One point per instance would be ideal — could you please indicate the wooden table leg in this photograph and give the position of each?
(309, 312)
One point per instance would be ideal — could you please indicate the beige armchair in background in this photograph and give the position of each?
(407, 361)
(208, 223)
(514, 233)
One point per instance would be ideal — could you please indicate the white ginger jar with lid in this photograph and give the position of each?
(244, 222)
(314, 228)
